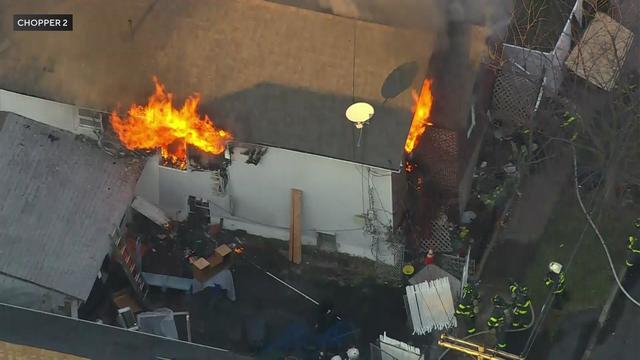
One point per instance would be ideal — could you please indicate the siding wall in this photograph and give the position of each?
(21, 293)
(258, 197)
(52, 113)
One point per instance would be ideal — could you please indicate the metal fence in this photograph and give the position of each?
(454, 265)
(376, 353)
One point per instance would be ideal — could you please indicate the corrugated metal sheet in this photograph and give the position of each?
(60, 198)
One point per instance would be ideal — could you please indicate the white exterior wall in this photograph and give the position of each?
(52, 113)
(21, 293)
(259, 197)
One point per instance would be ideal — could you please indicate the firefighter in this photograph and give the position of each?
(497, 315)
(460, 239)
(492, 198)
(633, 247)
(556, 280)
(466, 307)
(569, 125)
(513, 288)
(496, 321)
(521, 307)
(463, 233)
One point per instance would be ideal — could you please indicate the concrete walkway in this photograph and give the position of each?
(539, 194)
(529, 216)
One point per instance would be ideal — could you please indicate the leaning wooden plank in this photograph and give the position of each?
(296, 226)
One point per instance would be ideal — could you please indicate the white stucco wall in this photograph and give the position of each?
(259, 197)
(52, 113)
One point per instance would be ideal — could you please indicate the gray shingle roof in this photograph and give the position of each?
(60, 198)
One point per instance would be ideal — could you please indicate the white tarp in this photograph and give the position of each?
(431, 306)
(224, 279)
(159, 322)
(149, 210)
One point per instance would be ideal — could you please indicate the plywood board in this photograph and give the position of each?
(601, 52)
(295, 230)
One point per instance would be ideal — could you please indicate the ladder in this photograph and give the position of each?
(479, 352)
(219, 183)
(129, 265)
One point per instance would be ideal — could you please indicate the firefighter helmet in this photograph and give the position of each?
(498, 301)
(468, 288)
(555, 267)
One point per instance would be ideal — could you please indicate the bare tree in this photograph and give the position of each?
(604, 124)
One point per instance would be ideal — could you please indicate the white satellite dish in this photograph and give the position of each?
(359, 113)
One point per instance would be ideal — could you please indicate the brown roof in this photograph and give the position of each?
(273, 74)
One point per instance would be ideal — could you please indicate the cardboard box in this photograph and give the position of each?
(223, 250)
(200, 263)
(215, 259)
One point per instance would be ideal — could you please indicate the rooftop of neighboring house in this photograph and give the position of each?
(272, 74)
(87, 340)
(60, 199)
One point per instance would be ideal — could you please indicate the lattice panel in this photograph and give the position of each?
(441, 155)
(455, 264)
(514, 96)
(440, 240)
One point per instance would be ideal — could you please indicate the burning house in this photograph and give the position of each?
(278, 103)
(275, 112)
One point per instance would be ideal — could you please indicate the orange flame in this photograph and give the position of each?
(421, 113)
(159, 125)
(409, 167)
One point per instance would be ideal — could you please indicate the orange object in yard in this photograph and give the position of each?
(429, 258)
